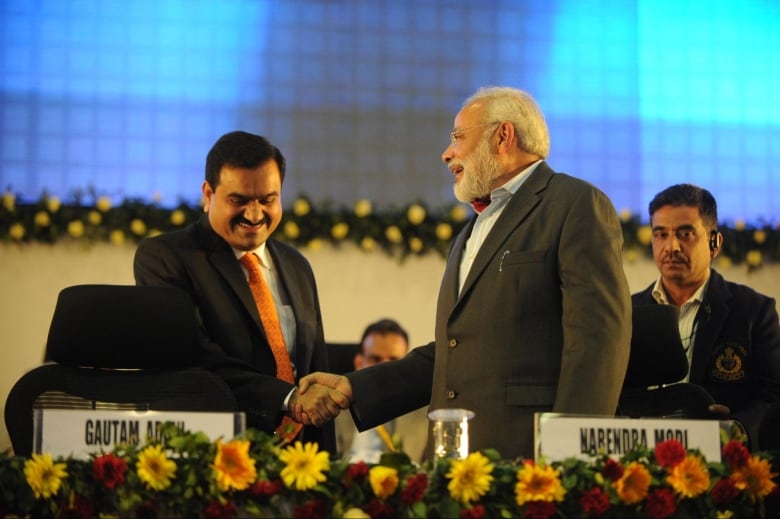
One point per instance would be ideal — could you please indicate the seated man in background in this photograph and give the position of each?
(729, 331)
(382, 341)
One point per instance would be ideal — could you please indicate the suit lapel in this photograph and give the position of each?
(517, 209)
(710, 319)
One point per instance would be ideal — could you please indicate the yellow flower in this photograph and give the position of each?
(393, 234)
(384, 481)
(9, 201)
(633, 485)
(416, 214)
(538, 483)
(362, 208)
(368, 244)
(178, 217)
(103, 204)
(76, 228)
(301, 207)
(291, 230)
(644, 235)
(470, 477)
(43, 475)
(444, 231)
(415, 244)
(739, 225)
(94, 217)
(304, 466)
(723, 514)
(235, 468)
(724, 262)
(138, 227)
(117, 237)
(42, 219)
(314, 244)
(53, 204)
(630, 255)
(755, 477)
(690, 477)
(157, 197)
(459, 213)
(154, 232)
(759, 236)
(339, 231)
(355, 513)
(154, 468)
(753, 258)
(16, 231)
(625, 215)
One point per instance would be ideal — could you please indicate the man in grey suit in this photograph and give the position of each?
(534, 310)
(242, 194)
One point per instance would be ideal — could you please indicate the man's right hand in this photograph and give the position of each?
(321, 397)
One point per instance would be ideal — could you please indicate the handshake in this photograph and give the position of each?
(319, 398)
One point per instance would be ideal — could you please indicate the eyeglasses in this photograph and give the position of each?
(457, 133)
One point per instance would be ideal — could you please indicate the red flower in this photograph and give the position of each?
(724, 492)
(660, 503)
(669, 453)
(736, 454)
(266, 488)
(379, 510)
(414, 489)
(81, 508)
(314, 509)
(216, 510)
(109, 470)
(613, 470)
(539, 510)
(594, 502)
(357, 472)
(475, 512)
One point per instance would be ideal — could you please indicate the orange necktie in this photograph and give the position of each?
(264, 300)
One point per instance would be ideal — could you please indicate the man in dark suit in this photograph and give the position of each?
(730, 332)
(534, 310)
(243, 205)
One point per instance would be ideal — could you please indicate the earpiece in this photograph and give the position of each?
(715, 240)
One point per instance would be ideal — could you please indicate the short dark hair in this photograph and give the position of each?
(688, 195)
(243, 150)
(382, 327)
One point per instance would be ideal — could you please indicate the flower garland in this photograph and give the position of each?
(255, 475)
(411, 230)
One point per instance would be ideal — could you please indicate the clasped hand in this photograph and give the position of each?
(320, 398)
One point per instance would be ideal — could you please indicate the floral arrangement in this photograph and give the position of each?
(255, 475)
(411, 230)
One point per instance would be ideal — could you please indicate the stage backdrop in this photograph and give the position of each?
(355, 289)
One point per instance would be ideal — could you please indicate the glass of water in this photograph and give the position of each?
(451, 432)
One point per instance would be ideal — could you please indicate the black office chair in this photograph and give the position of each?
(117, 347)
(656, 365)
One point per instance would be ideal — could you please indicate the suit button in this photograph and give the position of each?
(451, 394)
(453, 343)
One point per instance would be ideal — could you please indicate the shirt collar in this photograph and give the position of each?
(660, 296)
(261, 252)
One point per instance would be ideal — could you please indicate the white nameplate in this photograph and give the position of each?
(575, 436)
(79, 432)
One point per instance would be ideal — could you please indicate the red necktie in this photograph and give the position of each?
(264, 300)
(479, 204)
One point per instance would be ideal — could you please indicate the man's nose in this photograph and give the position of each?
(447, 154)
(253, 211)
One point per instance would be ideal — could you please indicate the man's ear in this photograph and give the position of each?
(358, 361)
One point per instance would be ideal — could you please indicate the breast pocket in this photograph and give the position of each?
(511, 259)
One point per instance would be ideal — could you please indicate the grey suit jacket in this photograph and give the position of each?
(200, 262)
(543, 322)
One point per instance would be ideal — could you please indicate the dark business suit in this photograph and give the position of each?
(543, 322)
(199, 261)
(736, 351)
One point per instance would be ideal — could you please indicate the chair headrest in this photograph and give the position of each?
(123, 326)
(657, 354)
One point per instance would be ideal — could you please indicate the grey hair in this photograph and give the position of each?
(517, 106)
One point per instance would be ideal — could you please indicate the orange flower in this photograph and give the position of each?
(633, 485)
(538, 483)
(384, 481)
(234, 467)
(690, 477)
(755, 477)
